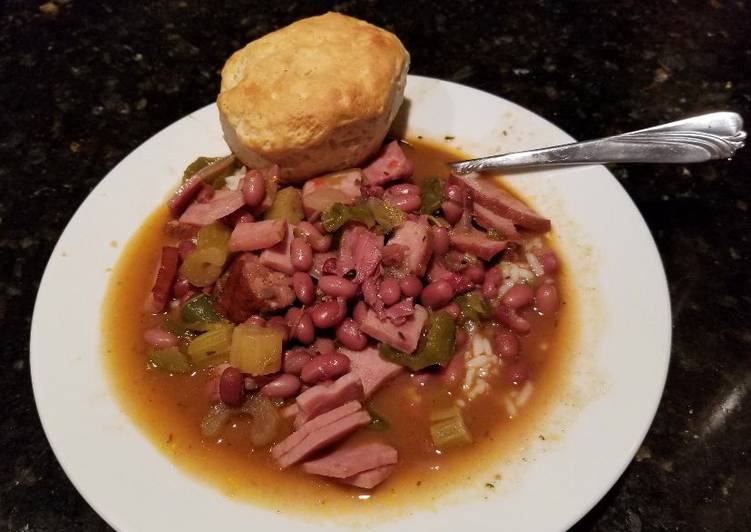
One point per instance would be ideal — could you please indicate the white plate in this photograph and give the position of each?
(615, 386)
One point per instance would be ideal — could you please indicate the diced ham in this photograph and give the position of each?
(323, 437)
(190, 189)
(350, 460)
(327, 396)
(438, 270)
(459, 283)
(486, 218)
(418, 240)
(394, 254)
(403, 338)
(322, 192)
(257, 235)
(367, 255)
(224, 203)
(372, 370)
(319, 259)
(251, 287)
(370, 294)
(399, 312)
(279, 257)
(165, 279)
(477, 243)
(321, 421)
(487, 193)
(180, 231)
(391, 164)
(371, 478)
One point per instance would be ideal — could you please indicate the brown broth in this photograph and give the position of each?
(168, 408)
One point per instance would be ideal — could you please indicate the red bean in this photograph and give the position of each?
(349, 334)
(181, 287)
(283, 386)
(231, 386)
(320, 243)
(242, 217)
(509, 317)
(453, 193)
(337, 286)
(294, 360)
(324, 345)
(505, 344)
(325, 367)
(452, 211)
(549, 262)
(390, 292)
(453, 309)
(329, 266)
(460, 339)
(441, 240)
(475, 272)
(454, 371)
(185, 248)
(156, 337)
(411, 286)
(256, 321)
(253, 188)
(305, 330)
(328, 314)
(211, 390)
(402, 189)
(491, 282)
(437, 294)
(302, 283)
(518, 296)
(277, 322)
(359, 312)
(546, 299)
(407, 202)
(518, 373)
(301, 254)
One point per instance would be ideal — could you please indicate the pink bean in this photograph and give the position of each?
(256, 321)
(349, 334)
(253, 188)
(406, 203)
(490, 284)
(181, 287)
(185, 248)
(549, 262)
(475, 272)
(323, 346)
(437, 294)
(441, 240)
(520, 295)
(453, 309)
(283, 386)
(242, 217)
(389, 291)
(294, 360)
(411, 286)
(325, 367)
(302, 283)
(211, 389)
(329, 266)
(509, 317)
(452, 211)
(359, 312)
(320, 243)
(505, 344)
(460, 339)
(305, 330)
(301, 254)
(546, 299)
(518, 373)
(403, 189)
(453, 193)
(328, 313)
(156, 337)
(337, 286)
(231, 386)
(454, 371)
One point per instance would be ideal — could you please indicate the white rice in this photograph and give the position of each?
(516, 273)
(535, 265)
(511, 409)
(524, 394)
(233, 180)
(480, 364)
(505, 287)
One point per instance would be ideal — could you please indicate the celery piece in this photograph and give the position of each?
(204, 266)
(450, 432)
(198, 310)
(386, 215)
(287, 205)
(436, 344)
(168, 359)
(442, 414)
(199, 164)
(339, 214)
(212, 347)
(474, 307)
(214, 235)
(265, 419)
(256, 350)
(377, 422)
(431, 194)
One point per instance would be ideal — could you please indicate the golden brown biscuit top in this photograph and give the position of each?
(294, 85)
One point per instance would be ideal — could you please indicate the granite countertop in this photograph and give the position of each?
(84, 83)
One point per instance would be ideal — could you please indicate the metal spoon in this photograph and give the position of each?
(692, 140)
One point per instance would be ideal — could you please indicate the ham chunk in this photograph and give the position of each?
(487, 193)
(257, 235)
(250, 287)
(486, 218)
(279, 257)
(190, 189)
(327, 396)
(372, 370)
(350, 460)
(165, 278)
(404, 337)
(417, 238)
(359, 250)
(224, 203)
(477, 243)
(325, 436)
(322, 192)
(390, 165)
(371, 478)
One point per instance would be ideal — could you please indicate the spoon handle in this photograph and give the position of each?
(692, 140)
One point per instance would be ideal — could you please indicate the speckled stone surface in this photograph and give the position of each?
(83, 83)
